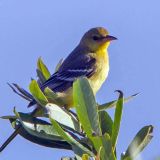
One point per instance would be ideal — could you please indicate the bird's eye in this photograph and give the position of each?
(96, 38)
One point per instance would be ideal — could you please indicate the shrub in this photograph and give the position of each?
(89, 132)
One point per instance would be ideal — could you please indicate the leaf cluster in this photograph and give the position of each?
(89, 132)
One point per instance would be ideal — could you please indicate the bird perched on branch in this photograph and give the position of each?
(89, 59)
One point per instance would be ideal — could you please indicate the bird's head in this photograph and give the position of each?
(96, 38)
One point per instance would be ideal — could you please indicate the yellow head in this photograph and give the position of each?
(96, 38)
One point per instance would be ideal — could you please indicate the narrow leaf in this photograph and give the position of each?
(41, 78)
(8, 117)
(106, 122)
(98, 145)
(103, 146)
(140, 141)
(117, 119)
(21, 92)
(113, 103)
(107, 146)
(86, 107)
(37, 93)
(66, 136)
(59, 64)
(43, 69)
(78, 152)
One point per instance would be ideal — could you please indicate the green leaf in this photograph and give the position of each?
(43, 69)
(86, 107)
(20, 91)
(98, 145)
(39, 140)
(140, 141)
(41, 78)
(106, 122)
(78, 152)
(117, 119)
(113, 103)
(62, 116)
(37, 93)
(103, 143)
(59, 64)
(8, 117)
(53, 97)
(107, 146)
(66, 136)
(37, 127)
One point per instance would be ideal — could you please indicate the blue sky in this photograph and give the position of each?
(51, 29)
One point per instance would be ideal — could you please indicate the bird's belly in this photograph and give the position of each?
(95, 82)
(100, 75)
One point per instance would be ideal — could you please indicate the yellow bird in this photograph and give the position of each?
(89, 59)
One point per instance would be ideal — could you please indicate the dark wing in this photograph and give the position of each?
(80, 66)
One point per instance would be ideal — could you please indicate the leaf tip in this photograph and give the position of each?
(120, 93)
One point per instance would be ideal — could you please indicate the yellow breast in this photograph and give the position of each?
(102, 69)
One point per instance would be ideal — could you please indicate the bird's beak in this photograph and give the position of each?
(109, 38)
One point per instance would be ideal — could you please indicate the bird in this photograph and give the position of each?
(89, 59)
